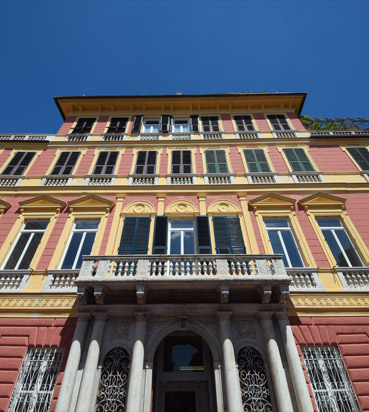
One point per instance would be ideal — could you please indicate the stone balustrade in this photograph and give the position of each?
(10, 180)
(261, 178)
(100, 180)
(355, 278)
(13, 280)
(143, 180)
(248, 135)
(219, 178)
(57, 180)
(181, 179)
(304, 278)
(212, 135)
(181, 136)
(284, 134)
(307, 177)
(61, 281)
(114, 137)
(150, 136)
(78, 137)
(27, 137)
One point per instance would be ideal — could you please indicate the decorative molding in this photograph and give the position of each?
(42, 203)
(316, 302)
(37, 302)
(245, 329)
(322, 200)
(180, 207)
(272, 201)
(139, 207)
(90, 202)
(224, 207)
(3, 206)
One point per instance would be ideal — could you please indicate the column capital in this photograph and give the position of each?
(282, 316)
(100, 316)
(265, 316)
(83, 317)
(141, 316)
(226, 315)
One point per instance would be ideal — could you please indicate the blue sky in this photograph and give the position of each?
(56, 48)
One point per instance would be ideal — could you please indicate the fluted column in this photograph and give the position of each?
(134, 397)
(88, 378)
(280, 384)
(71, 368)
(294, 364)
(232, 381)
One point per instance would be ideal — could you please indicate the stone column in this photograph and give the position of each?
(280, 384)
(232, 380)
(71, 368)
(294, 364)
(148, 387)
(134, 398)
(88, 378)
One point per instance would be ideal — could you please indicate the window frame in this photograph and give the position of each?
(211, 126)
(242, 118)
(18, 165)
(216, 161)
(182, 230)
(365, 171)
(72, 232)
(181, 163)
(20, 232)
(64, 166)
(146, 165)
(188, 123)
(257, 162)
(106, 165)
(278, 117)
(144, 123)
(299, 161)
(73, 132)
(108, 131)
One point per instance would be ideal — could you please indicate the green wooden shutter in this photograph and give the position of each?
(117, 125)
(228, 235)
(195, 123)
(165, 123)
(256, 160)
(160, 235)
(135, 236)
(19, 163)
(298, 160)
(361, 156)
(216, 161)
(136, 128)
(105, 163)
(203, 235)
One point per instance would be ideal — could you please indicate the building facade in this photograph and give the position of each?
(184, 253)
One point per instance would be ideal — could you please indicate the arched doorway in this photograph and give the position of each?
(184, 378)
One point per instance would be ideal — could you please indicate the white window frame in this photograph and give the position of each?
(328, 392)
(84, 231)
(333, 231)
(278, 230)
(183, 121)
(23, 230)
(145, 131)
(181, 230)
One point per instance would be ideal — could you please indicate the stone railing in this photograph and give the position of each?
(284, 134)
(13, 280)
(180, 136)
(143, 180)
(262, 178)
(339, 132)
(10, 180)
(248, 135)
(61, 281)
(150, 136)
(29, 137)
(179, 266)
(100, 180)
(211, 135)
(304, 278)
(114, 137)
(356, 278)
(78, 137)
(307, 177)
(57, 180)
(181, 179)
(219, 178)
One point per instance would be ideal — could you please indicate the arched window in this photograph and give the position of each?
(113, 382)
(253, 381)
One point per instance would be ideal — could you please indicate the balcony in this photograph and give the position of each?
(307, 177)
(212, 135)
(100, 180)
(10, 180)
(78, 137)
(114, 137)
(219, 178)
(354, 278)
(262, 178)
(26, 137)
(248, 134)
(181, 179)
(13, 280)
(182, 279)
(143, 180)
(56, 180)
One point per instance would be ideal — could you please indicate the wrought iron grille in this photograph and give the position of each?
(331, 385)
(253, 380)
(344, 123)
(36, 381)
(113, 382)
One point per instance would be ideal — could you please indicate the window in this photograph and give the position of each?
(19, 163)
(228, 234)
(105, 164)
(283, 241)
(298, 160)
(181, 237)
(180, 126)
(331, 386)
(135, 236)
(80, 243)
(65, 163)
(360, 155)
(117, 125)
(146, 162)
(36, 381)
(278, 122)
(256, 161)
(340, 244)
(244, 123)
(210, 124)
(151, 126)
(26, 245)
(83, 126)
(181, 161)
(216, 161)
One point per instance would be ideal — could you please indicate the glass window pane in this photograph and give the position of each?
(329, 222)
(86, 248)
(87, 224)
(17, 251)
(189, 244)
(336, 251)
(348, 248)
(175, 243)
(39, 225)
(72, 250)
(291, 248)
(186, 224)
(277, 245)
(31, 250)
(273, 223)
(183, 354)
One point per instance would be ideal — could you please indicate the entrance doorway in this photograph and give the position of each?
(184, 380)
